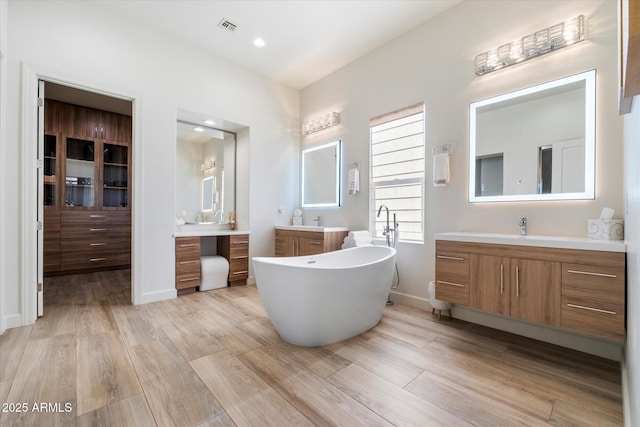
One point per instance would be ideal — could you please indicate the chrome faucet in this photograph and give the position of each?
(316, 221)
(387, 231)
(523, 226)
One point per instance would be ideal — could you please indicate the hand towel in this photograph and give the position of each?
(354, 180)
(441, 169)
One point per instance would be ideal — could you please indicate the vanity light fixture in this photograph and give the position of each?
(530, 46)
(321, 123)
(208, 165)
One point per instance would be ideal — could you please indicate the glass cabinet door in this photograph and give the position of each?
(115, 175)
(50, 146)
(80, 173)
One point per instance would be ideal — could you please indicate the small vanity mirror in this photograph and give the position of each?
(208, 188)
(537, 143)
(321, 175)
(205, 173)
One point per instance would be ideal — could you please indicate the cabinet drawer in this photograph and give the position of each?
(597, 284)
(71, 261)
(313, 246)
(78, 217)
(188, 267)
(452, 277)
(187, 248)
(594, 318)
(239, 243)
(185, 281)
(281, 245)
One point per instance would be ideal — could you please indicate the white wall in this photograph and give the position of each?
(632, 234)
(3, 141)
(79, 42)
(434, 64)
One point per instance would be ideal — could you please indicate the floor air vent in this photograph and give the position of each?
(226, 25)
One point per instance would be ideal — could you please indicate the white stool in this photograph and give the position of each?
(436, 304)
(214, 272)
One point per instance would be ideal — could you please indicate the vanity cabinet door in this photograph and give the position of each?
(535, 291)
(490, 287)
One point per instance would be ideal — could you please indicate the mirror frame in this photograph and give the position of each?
(336, 201)
(589, 77)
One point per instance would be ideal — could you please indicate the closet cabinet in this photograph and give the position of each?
(578, 290)
(87, 176)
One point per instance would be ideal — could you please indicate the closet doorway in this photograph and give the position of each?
(84, 196)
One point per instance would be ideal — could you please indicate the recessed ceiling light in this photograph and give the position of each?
(209, 122)
(198, 129)
(259, 42)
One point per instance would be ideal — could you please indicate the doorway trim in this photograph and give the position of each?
(29, 202)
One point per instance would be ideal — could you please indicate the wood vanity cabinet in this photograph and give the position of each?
(187, 264)
(235, 248)
(521, 288)
(86, 176)
(301, 243)
(580, 290)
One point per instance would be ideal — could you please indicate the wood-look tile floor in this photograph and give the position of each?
(213, 358)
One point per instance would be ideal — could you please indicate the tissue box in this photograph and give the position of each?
(606, 229)
(297, 220)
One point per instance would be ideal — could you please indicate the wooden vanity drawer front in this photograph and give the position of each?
(313, 246)
(452, 277)
(238, 269)
(594, 318)
(239, 242)
(187, 262)
(187, 248)
(593, 283)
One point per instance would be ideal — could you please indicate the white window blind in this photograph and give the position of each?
(397, 171)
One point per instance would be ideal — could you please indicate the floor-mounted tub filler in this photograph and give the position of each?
(322, 299)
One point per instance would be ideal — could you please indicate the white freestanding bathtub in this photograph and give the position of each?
(322, 299)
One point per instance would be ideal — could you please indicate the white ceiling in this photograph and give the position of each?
(305, 39)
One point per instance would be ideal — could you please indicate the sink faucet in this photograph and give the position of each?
(316, 220)
(523, 226)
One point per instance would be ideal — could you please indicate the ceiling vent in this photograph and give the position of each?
(226, 25)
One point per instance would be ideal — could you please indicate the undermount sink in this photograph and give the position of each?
(535, 240)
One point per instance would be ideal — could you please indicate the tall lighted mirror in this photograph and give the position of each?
(536, 143)
(321, 175)
(205, 173)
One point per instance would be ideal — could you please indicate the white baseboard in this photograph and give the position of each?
(625, 391)
(158, 296)
(13, 321)
(251, 280)
(550, 335)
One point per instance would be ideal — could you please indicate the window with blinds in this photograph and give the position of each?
(397, 171)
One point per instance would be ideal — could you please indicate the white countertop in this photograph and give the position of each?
(201, 231)
(539, 241)
(321, 229)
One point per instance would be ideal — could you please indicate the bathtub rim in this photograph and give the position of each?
(275, 260)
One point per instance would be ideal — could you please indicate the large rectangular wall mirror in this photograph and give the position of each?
(205, 173)
(536, 143)
(321, 175)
